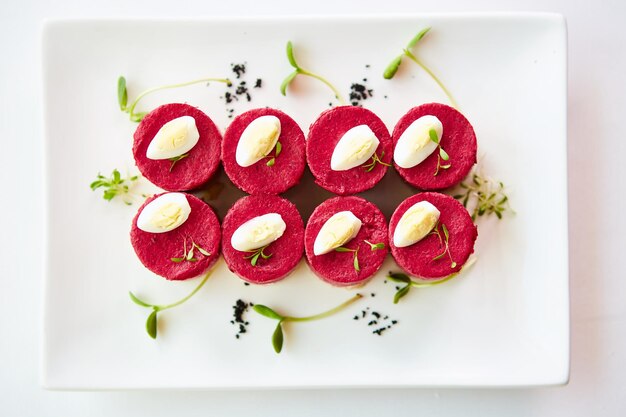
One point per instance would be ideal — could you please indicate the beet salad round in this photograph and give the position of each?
(452, 155)
(444, 232)
(263, 151)
(348, 150)
(263, 238)
(176, 235)
(346, 240)
(177, 147)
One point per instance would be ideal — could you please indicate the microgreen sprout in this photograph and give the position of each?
(176, 159)
(486, 195)
(188, 255)
(115, 186)
(405, 279)
(442, 155)
(355, 256)
(272, 158)
(393, 66)
(443, 241)
(256, 253)
(375, 246)
(122, 94)
(375, 160)
(277, 336)
(299, 70)
(151, 322)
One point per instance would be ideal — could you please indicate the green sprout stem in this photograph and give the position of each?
(489, 196)
(432, 75)
(375, 160)
(403, 278)
(325, 313)
(277, 336)
(256, 253)
(393, 66)
(298, 70)
(116, 186)
(136, 117)
(151, 322)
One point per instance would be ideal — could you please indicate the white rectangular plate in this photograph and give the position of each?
(503, 323)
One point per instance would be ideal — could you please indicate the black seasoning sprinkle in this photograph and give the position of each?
(238, 69)
(258, 83)
(367, 65)
(385, 96)
(359, 92)
(375, 320)
(240, 308)
(373, 294)
(364, 80)
(246, 284)
(385, 281)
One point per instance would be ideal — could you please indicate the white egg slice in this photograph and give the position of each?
(258, 232)
(338, 230)
(257, 140)
(174, 138)
(415, 224)
(354, 148)
(415, 145)
(165, 213)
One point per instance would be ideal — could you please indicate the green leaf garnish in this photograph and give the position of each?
(443, 241)
(188, 255)
(401, 293)
(122, 94)
(487, 195)
(278, 337)
(176, 159)
(290, 57)
(279, 149)
(443, 155)
(403, 278)
(256, 253)
(151, 322)
(399, 277)
(392, 68)
(286, 82)
(355, 256)
(417, 38)
(137, 301)
(272, 158)
(115, 186)
(375, 160)
(267, 312)
(375, 246)
(299, 70)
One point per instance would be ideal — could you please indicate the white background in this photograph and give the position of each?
(597, 100)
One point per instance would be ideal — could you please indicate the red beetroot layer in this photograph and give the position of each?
(189, 172)
(286, 251)
(260, 178)
(155, 250)
(337, 268)
(324, 134)
(417, 259)
(459, 141)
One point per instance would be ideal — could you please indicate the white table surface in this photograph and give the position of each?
(597, 174)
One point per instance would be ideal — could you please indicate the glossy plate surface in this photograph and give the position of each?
(503, 323)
